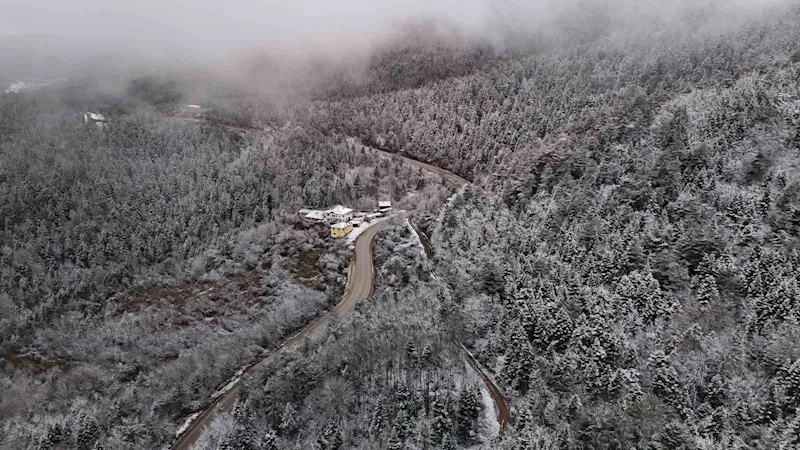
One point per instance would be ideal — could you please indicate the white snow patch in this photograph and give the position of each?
(186, 424)
(193, 106)
(231, 383)
(21, 86)
(419, 238)
(492, 424)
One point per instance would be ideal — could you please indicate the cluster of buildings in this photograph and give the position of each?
(342, 220)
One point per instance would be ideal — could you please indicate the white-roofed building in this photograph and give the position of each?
(315, 216)
(384, 206)
(341, 213)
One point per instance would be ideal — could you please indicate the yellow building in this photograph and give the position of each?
(341, 229)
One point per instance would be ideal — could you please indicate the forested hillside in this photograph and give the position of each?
(635, 215)
(624, 260)
(493, 118)
(143, 263)
(390, 377)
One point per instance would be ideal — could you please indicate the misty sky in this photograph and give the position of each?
(223, 21)
(212, 26)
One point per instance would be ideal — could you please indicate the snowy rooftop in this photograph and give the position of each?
(315, 215)
(341, 210)
(95, 117)
(385, 204)
(340, 225)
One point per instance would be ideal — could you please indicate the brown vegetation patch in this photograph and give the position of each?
(36, 366)
(178, 296)
(306, 271)
(174, 295)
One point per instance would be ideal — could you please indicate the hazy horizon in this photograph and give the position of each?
(204, 27)
(232, 38)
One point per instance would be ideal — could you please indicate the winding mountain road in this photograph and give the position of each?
(450, 176)
(501, 405)
(359, 287)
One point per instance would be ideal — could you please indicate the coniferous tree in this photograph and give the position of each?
(441, 423)
(666, 383)
(331, 438)
(519, 363)
(288, 425)
(87, 431)
(468, 412)
(707, 292)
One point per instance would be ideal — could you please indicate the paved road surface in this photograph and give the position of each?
(359, 287)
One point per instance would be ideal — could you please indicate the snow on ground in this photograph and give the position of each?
(21, 86)
(491, 424)
(351, 237)
(186, 424)
(222, 391)
(414, 232)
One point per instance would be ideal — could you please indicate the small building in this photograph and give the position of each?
(315, 216)
(373, 216)
(341, 229)
(341, 214)
(357, 222)
(384, 206)
(97, 119)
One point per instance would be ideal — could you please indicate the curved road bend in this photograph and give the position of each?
(501, 405)
(450, 176)
(359, 287)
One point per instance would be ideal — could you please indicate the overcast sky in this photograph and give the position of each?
(223, 21)
(213, 26)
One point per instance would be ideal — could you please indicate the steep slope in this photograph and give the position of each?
(635, 220)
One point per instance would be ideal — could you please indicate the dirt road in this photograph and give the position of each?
(425, 166)
(501, 405)
(359, 287)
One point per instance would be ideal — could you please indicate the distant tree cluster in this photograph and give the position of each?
(414, 54)
(161, 92)
(496, 117)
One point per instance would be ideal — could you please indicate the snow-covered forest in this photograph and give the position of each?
(623, 262)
